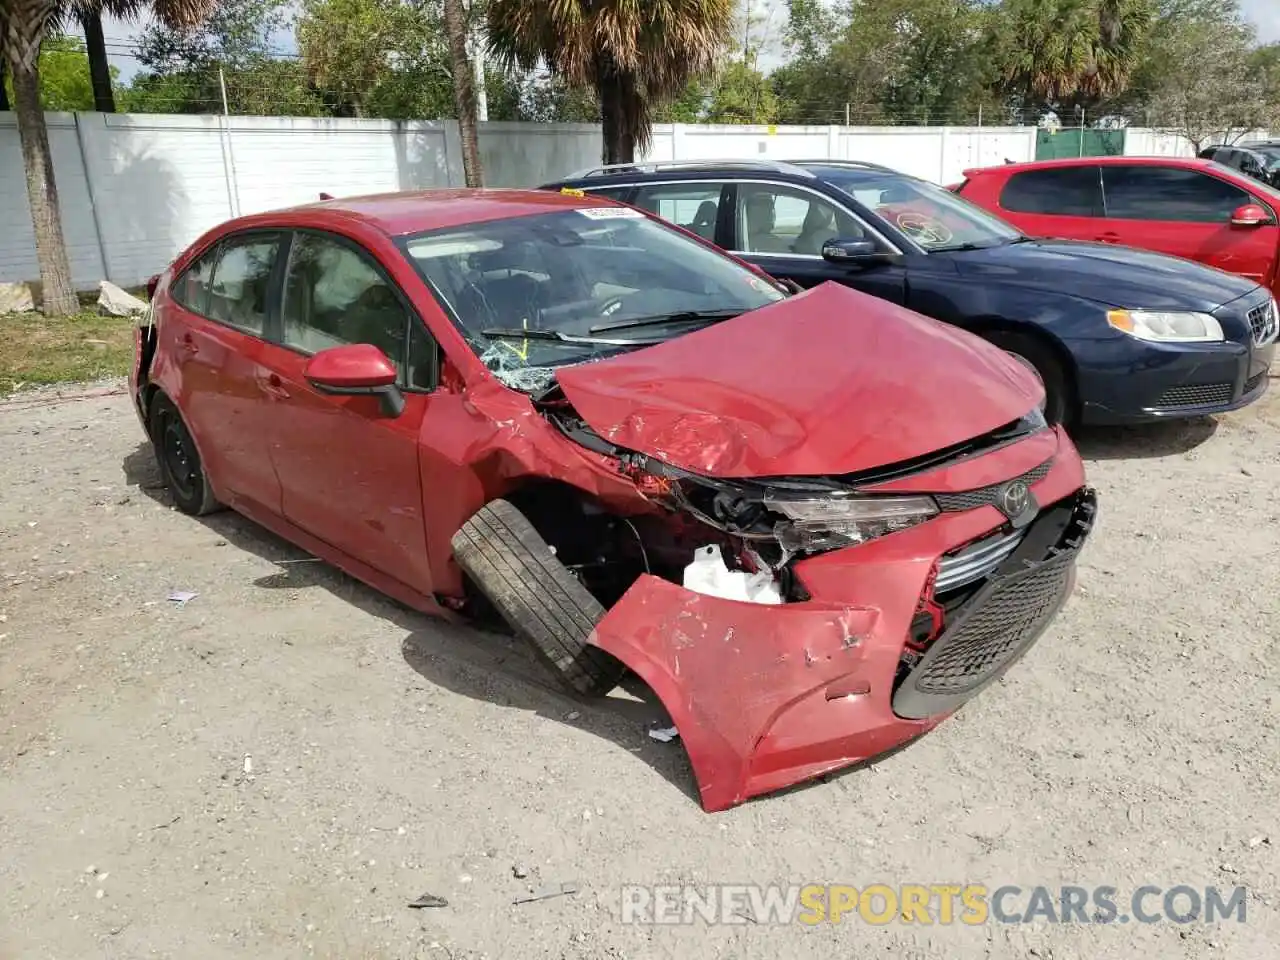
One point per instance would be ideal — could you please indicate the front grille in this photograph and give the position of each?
(975, 561)
(1000, 626)
(1196, 395)
(1264, 323)
(1004, 617)
(988, 496)
(1254, 382)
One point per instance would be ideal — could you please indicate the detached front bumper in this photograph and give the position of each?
(766, 697)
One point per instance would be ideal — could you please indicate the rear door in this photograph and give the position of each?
(225, 300)
(1187, 213)
(1057, 202)
(781, 228)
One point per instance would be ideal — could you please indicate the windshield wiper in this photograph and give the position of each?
(958, 247)
(661, 320)
(557, 336)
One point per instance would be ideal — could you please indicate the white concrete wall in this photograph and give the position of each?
(136, 189)
(1162, 143)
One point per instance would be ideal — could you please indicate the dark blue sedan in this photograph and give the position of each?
(1117, 335)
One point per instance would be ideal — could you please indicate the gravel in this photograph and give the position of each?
(279, 765)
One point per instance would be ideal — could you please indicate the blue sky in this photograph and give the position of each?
(1264, 14)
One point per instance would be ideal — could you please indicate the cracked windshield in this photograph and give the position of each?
(534, 293)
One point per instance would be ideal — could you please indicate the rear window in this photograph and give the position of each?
(191, 290)
(1063, 192)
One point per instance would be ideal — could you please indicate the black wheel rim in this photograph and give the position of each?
(180, 458)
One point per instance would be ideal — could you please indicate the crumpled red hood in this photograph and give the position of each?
(829, 381)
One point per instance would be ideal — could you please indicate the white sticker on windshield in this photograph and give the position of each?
(611, 213)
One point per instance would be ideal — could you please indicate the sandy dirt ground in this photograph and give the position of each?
(278, 766)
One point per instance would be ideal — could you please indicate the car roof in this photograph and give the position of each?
(397, 214)
(793, 171)
(1191, 163)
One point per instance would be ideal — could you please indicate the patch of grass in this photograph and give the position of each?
(35, 349)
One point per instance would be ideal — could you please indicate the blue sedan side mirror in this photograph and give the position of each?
(839, 250)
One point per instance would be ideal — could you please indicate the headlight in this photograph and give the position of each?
(830, 522)
(1034, 421)
(1167, 327)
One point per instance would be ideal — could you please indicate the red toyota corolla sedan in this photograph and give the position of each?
(1194, 209)
(814, 524)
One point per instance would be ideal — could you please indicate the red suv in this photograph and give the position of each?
(814, 525)
(1195, 209)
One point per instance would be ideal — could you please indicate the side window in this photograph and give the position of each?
(1062, 192)
(783, 220)
(241, 282)
(192, 289)
(1170, 194)
(693, 206)
(423, 358)
(335, 296)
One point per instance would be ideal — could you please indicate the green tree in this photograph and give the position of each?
(64, 76)
(24, 27)
(893, 61)
(524, 96)
(89, 13)
(688, 106)
(377, 58)
(1202, 77)
(741, 94)
(185, 70)
(633, 55)
(1061, 54)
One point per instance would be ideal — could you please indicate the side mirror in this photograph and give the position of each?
(845, 251)
(357, 369)
(1250, 215)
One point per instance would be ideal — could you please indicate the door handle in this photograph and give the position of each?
(1109, 238)
(273, 387)
(188, 345)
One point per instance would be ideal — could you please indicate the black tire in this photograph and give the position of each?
(1059, 403)
(537, 595)
(179, 460)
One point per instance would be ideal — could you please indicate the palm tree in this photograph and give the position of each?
(90, 16)
(24, 24)
(634, 54)
(1063, 49)
(464, 90)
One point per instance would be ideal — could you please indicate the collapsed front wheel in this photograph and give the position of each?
(537, 595)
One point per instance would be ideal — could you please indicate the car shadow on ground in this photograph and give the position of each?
(1144, 442)
(480, 664)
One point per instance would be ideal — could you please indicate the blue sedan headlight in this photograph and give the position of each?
(1163, 326)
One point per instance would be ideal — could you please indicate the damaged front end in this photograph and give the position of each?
(793, 626)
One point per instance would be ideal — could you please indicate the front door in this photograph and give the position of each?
(349, 473)
(782, 228)
(1187, 214)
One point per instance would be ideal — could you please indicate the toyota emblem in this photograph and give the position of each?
(1014, 499)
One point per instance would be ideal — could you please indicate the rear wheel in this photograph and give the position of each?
(1059, 404)
(179, 460)
(537, 595)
